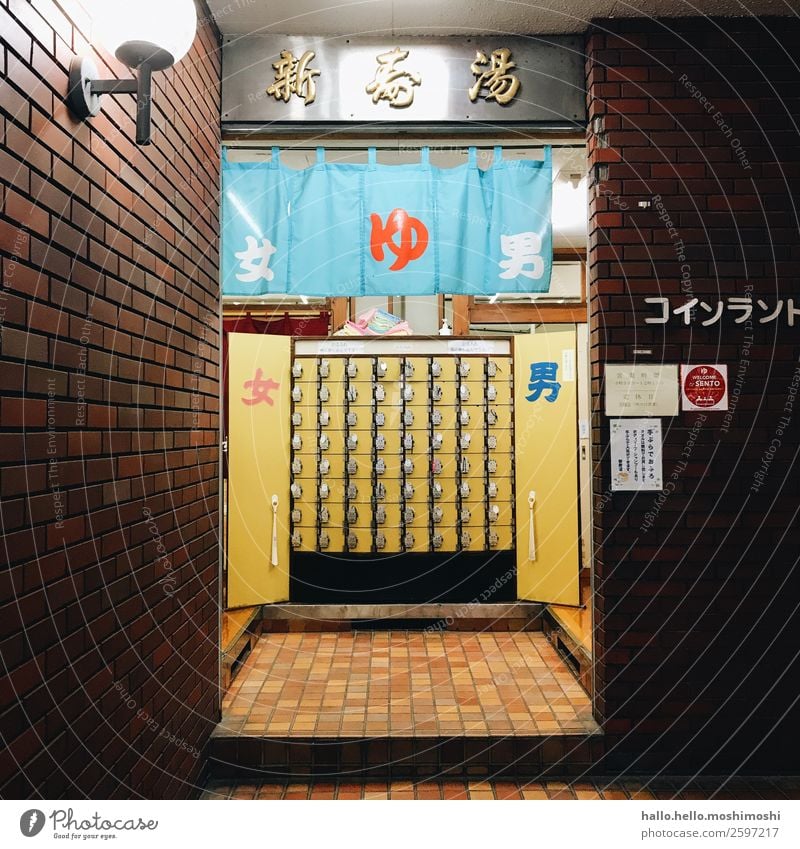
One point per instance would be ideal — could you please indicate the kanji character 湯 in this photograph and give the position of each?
(493, 73)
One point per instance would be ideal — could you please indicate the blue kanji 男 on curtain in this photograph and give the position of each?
(520, 252)
(342, 229)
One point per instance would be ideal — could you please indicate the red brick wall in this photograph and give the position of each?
(108, 444)
(697, 592)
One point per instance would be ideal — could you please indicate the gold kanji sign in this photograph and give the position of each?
(493, 74)
(391, 83)
(293, 76)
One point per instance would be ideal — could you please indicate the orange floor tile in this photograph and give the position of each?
(638, 789)
(377, 684)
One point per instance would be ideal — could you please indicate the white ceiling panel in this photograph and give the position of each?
(462, 17)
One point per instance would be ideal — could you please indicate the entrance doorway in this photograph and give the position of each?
(353, 578)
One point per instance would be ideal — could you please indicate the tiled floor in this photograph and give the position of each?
(376, 684)
(639, 789)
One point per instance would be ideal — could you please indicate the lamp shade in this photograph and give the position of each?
(158, 32)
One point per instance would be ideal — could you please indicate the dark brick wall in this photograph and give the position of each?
(697, 591)
(108, 438)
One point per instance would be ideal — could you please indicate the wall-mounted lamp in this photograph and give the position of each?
(147, 35)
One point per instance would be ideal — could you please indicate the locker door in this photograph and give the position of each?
(259, 436)
(545, 419)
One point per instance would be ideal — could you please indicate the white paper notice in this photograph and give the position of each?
(636, 455)
(641, 390)
(568, 365)
(341, 348)
(469, 346)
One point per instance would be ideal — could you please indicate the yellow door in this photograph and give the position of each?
(545, 437)
(258, 468)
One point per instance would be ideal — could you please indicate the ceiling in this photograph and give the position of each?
(461, 17)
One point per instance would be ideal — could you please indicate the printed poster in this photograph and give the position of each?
(636, 463)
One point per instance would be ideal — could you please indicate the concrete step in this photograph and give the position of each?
(511, 616)
(298, 758)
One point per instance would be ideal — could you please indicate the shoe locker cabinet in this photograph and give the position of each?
(398, 470)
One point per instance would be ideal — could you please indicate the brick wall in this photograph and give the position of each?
(696, 609)
(108, 445)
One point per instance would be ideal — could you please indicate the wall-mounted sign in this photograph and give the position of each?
(735, 309)
(276, 78)
(704, 387)
(641, 390)
(636, 455)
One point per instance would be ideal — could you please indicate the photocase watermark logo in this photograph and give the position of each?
(66, 825)
(31, 822)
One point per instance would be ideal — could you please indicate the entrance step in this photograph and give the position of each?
(404, 704)
(298, 758)
(512, 616)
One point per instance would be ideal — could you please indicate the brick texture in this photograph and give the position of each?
(108, 625)
(697, 587)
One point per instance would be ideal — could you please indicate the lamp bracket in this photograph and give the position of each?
(114, 86)
(85, 89)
